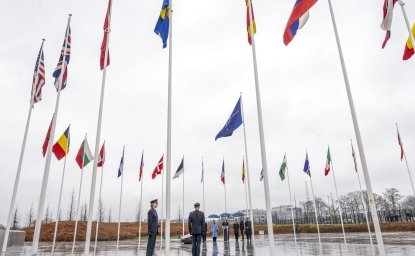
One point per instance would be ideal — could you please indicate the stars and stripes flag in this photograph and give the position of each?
(354, 158)
(222, 174)
(66, 51)
(307, 165)
(387, 19)
(38, 76)
(158, 168)
(140, 175)
(104, 40)
(101, 157)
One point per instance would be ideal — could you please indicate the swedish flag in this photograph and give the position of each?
(162, 26)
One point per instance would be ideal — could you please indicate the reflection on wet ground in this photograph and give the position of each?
(307, 244)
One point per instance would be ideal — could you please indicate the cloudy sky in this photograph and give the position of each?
(303, 97)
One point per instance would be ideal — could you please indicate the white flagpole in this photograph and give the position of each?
(246, 194)
(315, 212)
(291, 203)
(60, 195)
(97, 142)
(406, 161)
(183, 202)
(408, 26)
(338, 199)
(19, 166)
(224, 185)
(261, 139)
(251, 215)
(41, 206)
(141, 209)
(162, 208)
(119, 210)
(169, 120)
(372, 203)
(203, 178)
(99, 205)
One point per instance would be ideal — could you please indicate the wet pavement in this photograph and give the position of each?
(402, 243)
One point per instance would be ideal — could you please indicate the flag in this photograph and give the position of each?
(158, 168)
(101, 157)
(248, 22)
(104, 40)
(84, 155)
(354, 159)
(222, 174)
(61, 147)
(243, 171)
(328, 163)
(234, 121)
(66, 50)
(162, 26)
(46, 141)
(261, 178)
(282, 168)
(387, 19)
(307, 165)
(409, 49)
(38, 76)
(400, 145)
(180, 169)
(141, 166)
(203, 172)
(297, 19)
(121, 168)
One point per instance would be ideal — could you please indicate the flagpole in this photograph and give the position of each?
(372, 203)
(60, 194)
(338, 199)
(224, 184)
(363, 203)
(406, 161)
(99, 205)
(291, 203)
(315, 212)
(97, 141)
(19, 166)
(408, 26)
(141, 207)
(246, 191)
(41, 206)
(251, 215)
(261, 138)
(119, 210)
(183, 200)
(79, 199)
(162, 208)
(203, 178)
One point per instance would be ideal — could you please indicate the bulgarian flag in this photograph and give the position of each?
(84, 155)
(282, 168)
(328, 163)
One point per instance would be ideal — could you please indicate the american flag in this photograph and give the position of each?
(66, 50)
(38, 76)
(307, 165)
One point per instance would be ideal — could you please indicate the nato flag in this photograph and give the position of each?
(234, 121)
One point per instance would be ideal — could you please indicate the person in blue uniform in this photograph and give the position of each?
(196, 225)
(152, 222)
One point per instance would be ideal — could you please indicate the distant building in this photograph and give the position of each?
(260, 215)
(283, 212)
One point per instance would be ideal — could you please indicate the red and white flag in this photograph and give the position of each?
(158, 168)
(387, 19)
(46, 142)
(104, 40)
(38, 76)
(141, 167)
(101, 157)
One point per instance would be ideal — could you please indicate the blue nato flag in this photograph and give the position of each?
(234, 121)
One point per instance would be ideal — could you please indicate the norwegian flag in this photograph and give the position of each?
(141, 166)
(38, 76)
(66, 50)
(158, 168)
(101, 157)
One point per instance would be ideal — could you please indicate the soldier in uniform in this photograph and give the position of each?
(236, 229)
(152, 222)
(248, 230)
(242, 227)
(204, 233)
(196, 225)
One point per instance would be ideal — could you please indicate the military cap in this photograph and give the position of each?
(153, 201)
(197, 204)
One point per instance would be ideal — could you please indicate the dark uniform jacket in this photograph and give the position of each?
(152, 221)
(248, 229)
(196, 223)
(236, 227)
(242, 225)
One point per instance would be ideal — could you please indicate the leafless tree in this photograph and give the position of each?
(101, 211)
(84, 212)
(16, 219)
(408, 202)
(393, 198)
(109, 215)
(30, 217)
(179, 214)
(138, 214)
(48, 215)
(72, 205)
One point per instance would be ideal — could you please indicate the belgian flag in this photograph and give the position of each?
(61, 147)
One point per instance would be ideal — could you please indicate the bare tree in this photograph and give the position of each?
(179, 214)
(72, 205)
(408, 202)
(138, 214)
(84, 212)
(48, 214)
(393, 198)
(101, 211)
(30, 216)
(109, 215)
(16, 217)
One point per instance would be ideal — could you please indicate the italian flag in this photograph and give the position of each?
(328, 162)
(282, 168)
(84, 155)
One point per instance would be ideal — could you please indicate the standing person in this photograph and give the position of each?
(236, 229)
(215, 230)
(204, 233)
(152, 223)
(248, 230)
(196, 225)
(225, 227)
(242, 227)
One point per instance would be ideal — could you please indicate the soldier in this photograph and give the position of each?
(196, 225)
(248, 230)
(242, 227)
(152, 222)
(236, 229)
(204, 233)
(225, 227)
